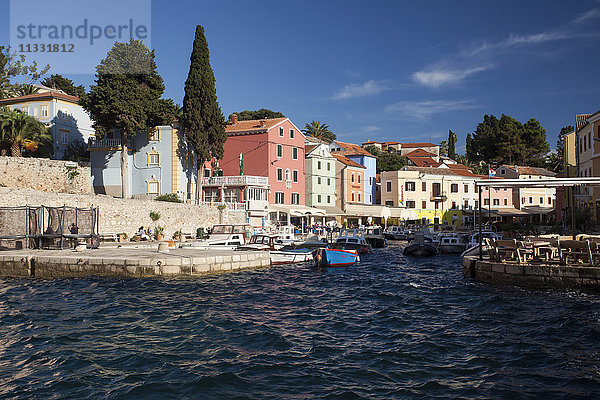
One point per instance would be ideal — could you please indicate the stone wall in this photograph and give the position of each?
(44, 174)
(534, 275)
(127, 215)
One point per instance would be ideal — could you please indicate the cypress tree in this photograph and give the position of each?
(452, 144)
(203, 120)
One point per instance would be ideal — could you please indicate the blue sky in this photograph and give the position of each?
(387, 70)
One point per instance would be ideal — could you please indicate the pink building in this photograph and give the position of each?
(272, 148)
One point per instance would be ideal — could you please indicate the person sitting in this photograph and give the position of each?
(143, 234)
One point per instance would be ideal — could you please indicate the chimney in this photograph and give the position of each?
(234, 118)
(262, 123)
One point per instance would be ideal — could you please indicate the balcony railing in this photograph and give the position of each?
(439, 196)
(230, 206)
(241, 180)
(94, 143)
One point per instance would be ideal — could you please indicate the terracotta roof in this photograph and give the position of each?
(419, 153)
(410, 145)
(390, 143)
(52, 94)
(252, 125)
(313, 139)
(581, 120)
(370, 142)
(534, 171)
(463, 172)
(309, 147)
(352, 149)
(347, 161)
(431, 171)
(457, 166)
(423, 161)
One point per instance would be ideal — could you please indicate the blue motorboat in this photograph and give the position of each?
(334, 257)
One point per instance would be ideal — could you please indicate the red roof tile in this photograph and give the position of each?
(351, 149)
(424, 161)
(419, 153)
(309, 147)
(581, 120)
(252, 125)
(410, 145)
(52, 94)
(346, 160)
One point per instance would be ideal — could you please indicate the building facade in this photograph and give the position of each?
(350, 181)
(319, 169)
(66, 119)
(364, 158)
(528, 198)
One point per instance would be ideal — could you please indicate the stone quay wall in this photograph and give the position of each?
(127, 215)
(534, 275)
(126, 263)
(45, 175)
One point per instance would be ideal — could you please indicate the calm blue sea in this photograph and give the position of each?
(390, 327)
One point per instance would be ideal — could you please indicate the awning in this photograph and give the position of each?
(366, 210)
(537, 210)
(333, 211)
(509, 212)
(296, 210)
(403, 213)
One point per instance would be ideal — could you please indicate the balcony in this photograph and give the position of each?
(94, 143)
(241, 180)
(438, 196)
(231, 206)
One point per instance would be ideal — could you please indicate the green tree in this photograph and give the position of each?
(76, 151)
(202, 117)
(263, 113)
(555, 161)
(319, 130)
(64, 84)
(13, 65)
(25, 90)
(444, 148)
(452, 144)
(387, 160)
(21, 132)
(126, 97)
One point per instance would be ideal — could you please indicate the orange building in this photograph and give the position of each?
(350, 181)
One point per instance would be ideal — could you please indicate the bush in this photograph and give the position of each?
(171, 197)
(154, 216)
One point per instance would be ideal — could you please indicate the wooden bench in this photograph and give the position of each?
(575, 251)
(109, 237)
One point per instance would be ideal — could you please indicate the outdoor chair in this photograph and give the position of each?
(508, 250)
(575, 251)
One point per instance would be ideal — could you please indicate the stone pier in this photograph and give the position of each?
(578, 276)
(126, 262)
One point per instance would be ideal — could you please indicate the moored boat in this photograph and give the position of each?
(224, 237)
(334, 257)
(420, 247)
(374, 235)
(473, 244)
(352, 239)
(269, 242)
(396, 233)
(451, 243)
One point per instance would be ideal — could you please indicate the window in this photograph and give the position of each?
(424, 204)
(358, 176)
(295, 176)
(279, 174)
(410, 204)
(328, 199)
(153, 186)
(352, 178)
(153, 158)
(476, 203)
(424, 186)
(318, 164)
(496, 202)
(505, 202)
(64, 137)
(292, 134)
(541, 200)
(206, 173)
(281, 131)
(154, 134)
(502, 172)
(388, 186)
(279, 151)
(25, 110)
(44, 111)
(530, 200)
(279, 197)
(370, 180)
(318, 180)
(389, 203)
(318, 198)
(35, 111)
(294, 153)
(454, 188)
(295, 198)
(466, 205)
(409, 186)
(549, 200)
(328, 166)
(486, 202)
(371, 199)
(523, 200)
(466, 189)
(287, 175)
(437, 205)
(589, 140)
(328, 181)
(359, 198)
(352, 196)
(454, 205)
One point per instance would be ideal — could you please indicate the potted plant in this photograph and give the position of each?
(177, 235)
(122, 237)
(159, 232)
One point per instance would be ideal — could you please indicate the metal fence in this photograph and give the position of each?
(48, 227)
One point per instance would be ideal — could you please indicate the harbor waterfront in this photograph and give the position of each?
(392, 326)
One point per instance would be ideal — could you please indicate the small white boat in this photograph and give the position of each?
(352, 239)
(451, 243)
(224, 237)
(374, 235)
(396, 233)
(269, 242)
(420, 246)
(473, 244)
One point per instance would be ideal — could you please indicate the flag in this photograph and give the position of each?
(491, 172)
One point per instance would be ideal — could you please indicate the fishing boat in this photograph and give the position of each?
(374, 235)
(334, 257)
(224, 237)
(270, 243)
(473, 244)
(420, 247)
(352, 239)
(396, 233)
(451, 243)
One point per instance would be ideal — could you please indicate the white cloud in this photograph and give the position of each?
(586, 16)
(422, 110)
(371, 128)
(439, 76)
(358, 90)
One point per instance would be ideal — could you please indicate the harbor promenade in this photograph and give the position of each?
(126, 262)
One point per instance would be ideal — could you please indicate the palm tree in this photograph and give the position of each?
(319, 130)
(24, 90)
(20, 131)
